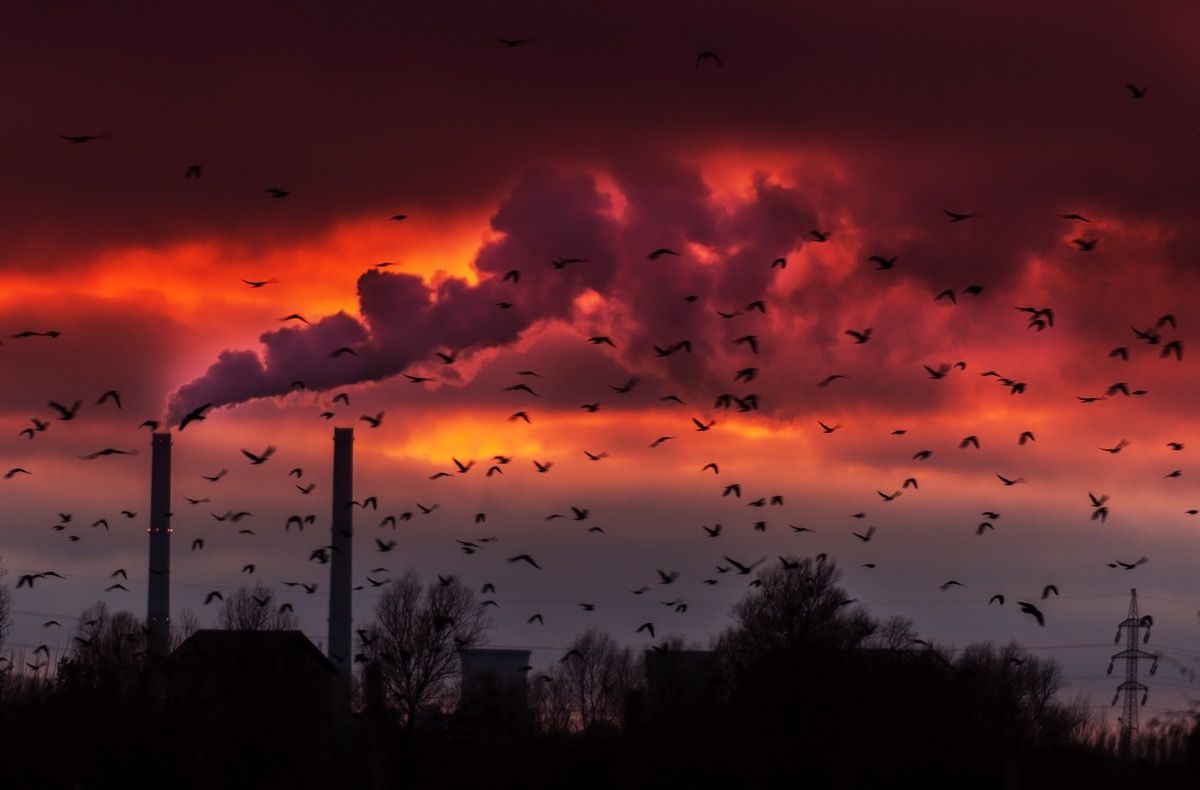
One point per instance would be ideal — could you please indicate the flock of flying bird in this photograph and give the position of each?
(1038, 319)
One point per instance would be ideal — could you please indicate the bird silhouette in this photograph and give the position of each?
(655, 254)
(195, 415)
(744, 570)
(860, 337)
(51, 333)
(80, 139)
(938, 373)
(1030, 609)
(1118, 447)
(260, 458)
(107, 451)
(66, 412)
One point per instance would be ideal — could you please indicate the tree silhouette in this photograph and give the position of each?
(5, 606)
(106, 655)
(894, 633)
(255, 610)
(416, 637)
(589, 686)
(1015, 692)
(182, 627)
(794, 608)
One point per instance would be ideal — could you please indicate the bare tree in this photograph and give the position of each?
(187, 624)
(894, 633)
(255, 610)
(416, 637)
(588, 687)
(551, 700)
(5, 607)
(1020, 689)
(106, 651)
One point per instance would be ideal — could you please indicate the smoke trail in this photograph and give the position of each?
(548, 216)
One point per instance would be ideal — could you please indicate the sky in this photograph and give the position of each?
(603, 136)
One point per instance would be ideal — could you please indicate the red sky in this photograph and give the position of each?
(604, 139)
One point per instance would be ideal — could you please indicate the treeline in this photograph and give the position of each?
(803, 689)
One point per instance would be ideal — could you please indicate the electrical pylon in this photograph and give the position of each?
(1132, 625)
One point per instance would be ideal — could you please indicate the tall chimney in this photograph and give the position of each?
(340, 564)
(158, 602)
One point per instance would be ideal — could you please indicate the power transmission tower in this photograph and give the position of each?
(1132, 625)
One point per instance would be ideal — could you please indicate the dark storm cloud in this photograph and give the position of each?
(378, 109)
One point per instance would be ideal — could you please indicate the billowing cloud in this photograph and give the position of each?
(405, 320)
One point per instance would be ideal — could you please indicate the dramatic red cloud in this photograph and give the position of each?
(605, 140)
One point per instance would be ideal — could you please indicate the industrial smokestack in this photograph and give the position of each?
(158, 601)
(340, 566)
